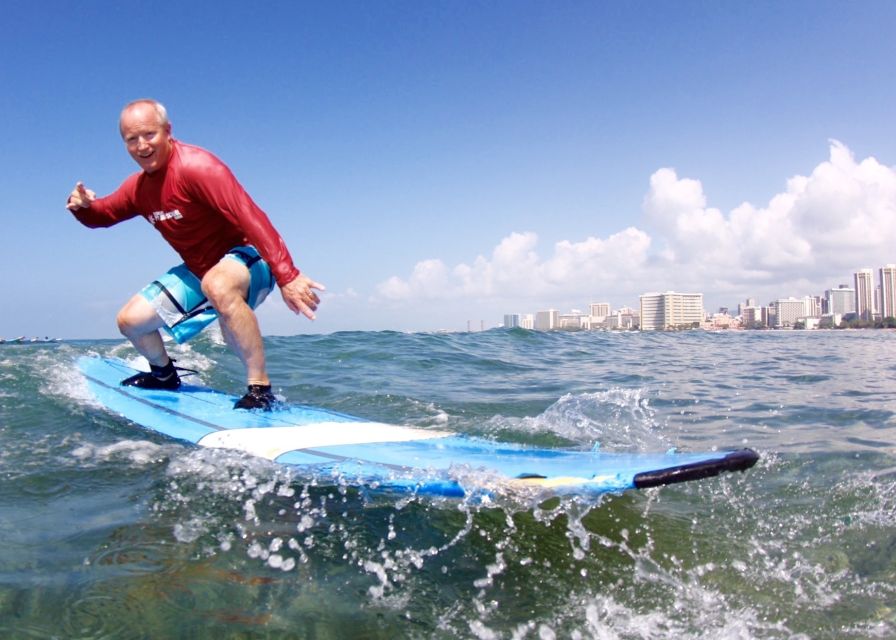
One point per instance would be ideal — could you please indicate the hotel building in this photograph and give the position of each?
(864, 281)
(670, 310)
(787, 311)
(841, 300)
(888, 291)
(547, 320)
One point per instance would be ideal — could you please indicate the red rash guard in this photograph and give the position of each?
(198, 206)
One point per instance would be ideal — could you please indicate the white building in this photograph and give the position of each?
(812, 323)
(788, 311)
(864, 281)
(600, 309)
(598, 313)
(527, 321)
(812, 307)
(511, 320)
(547, 320)
(670, 310)
(841, 300)
(888, 291)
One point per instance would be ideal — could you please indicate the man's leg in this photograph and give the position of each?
(226, 286)
(139, 323)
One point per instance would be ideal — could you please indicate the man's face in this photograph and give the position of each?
(147, 139)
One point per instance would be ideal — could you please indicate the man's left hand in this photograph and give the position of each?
(299, 295)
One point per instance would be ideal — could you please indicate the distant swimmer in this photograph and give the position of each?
(232, 253)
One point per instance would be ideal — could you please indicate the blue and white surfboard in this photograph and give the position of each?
(389, 456)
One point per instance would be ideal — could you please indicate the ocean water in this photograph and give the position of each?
(108, 531)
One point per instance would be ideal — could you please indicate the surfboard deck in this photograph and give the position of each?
(389, 456)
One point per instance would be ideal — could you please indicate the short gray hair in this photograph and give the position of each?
(160, 109)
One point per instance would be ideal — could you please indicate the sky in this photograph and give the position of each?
(440, 164)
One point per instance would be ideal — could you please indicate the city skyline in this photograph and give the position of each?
(866, 299)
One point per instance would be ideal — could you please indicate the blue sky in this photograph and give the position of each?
(435, 163)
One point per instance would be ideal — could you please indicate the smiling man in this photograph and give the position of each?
(232, 254)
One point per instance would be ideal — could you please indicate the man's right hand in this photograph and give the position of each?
(80, 197)
(298, 294)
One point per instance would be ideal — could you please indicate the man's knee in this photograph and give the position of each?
(223, 289)
(124, 321)
(135, 317)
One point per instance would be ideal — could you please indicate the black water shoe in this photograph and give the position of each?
(157, 378)
(259, 396)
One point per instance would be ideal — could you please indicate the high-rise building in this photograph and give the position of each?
(888, 291)
(812, 307)
(670, 310)
(600, 309)
(788, 311)
(511, 320)
(547, 320)
(841, 300)
(653, 313)
(598, 314)
(864, 281)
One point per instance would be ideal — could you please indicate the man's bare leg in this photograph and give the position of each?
(226, 286)
(139, 323)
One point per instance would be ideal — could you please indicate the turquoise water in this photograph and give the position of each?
(107, 531)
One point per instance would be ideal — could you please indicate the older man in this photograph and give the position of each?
(232, 254)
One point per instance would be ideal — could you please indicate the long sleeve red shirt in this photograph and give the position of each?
(198, 206)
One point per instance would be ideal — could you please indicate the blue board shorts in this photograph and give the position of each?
(178, 299)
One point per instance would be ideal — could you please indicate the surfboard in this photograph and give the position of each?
(330, 444)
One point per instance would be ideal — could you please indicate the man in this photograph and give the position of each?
(232, 254)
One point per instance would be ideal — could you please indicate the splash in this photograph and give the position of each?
(613, 420)
(141, 453)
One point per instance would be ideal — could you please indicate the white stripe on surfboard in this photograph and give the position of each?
(272, 442)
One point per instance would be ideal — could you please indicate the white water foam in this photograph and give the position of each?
(141, 453)
(612, 420)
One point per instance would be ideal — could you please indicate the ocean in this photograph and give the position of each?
(108, 531)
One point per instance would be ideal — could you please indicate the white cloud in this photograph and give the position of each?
(824, 226)
(515, 270)
(429, 279)
(839, 218)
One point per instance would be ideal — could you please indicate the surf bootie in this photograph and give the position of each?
(156, 378)
(259, 396)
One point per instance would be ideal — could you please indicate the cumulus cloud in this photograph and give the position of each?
(824, 226)
(839, 218)
(515, 269)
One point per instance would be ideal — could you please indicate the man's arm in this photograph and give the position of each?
(99, 212)
(220, 189)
